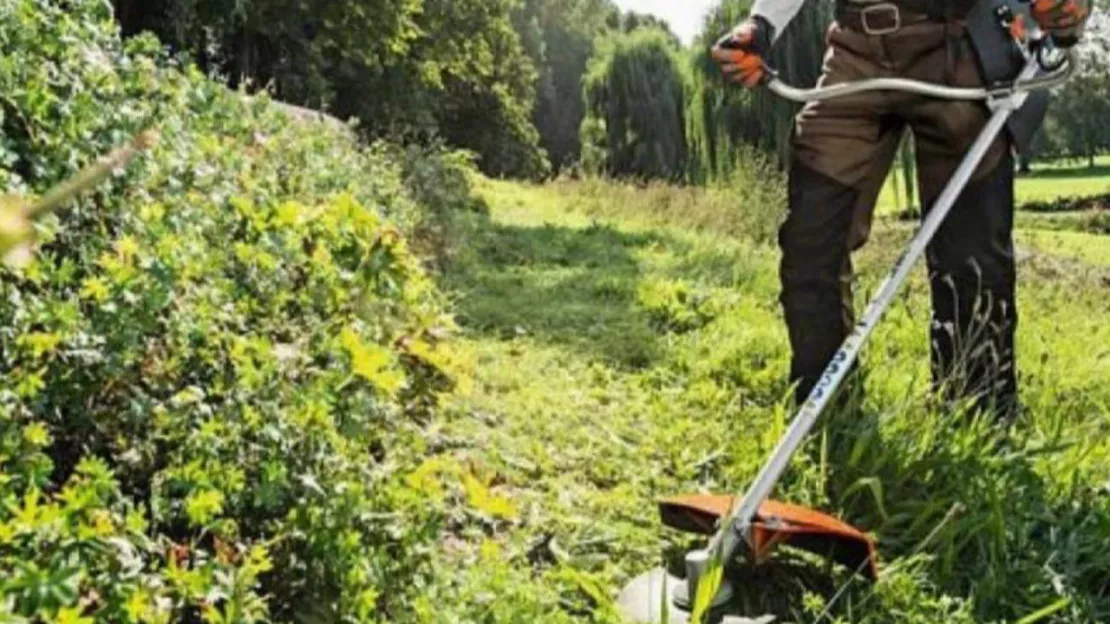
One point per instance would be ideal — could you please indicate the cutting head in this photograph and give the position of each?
(776, 524)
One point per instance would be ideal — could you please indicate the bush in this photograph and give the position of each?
(217, 367)
(440, 180)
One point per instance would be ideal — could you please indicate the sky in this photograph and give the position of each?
(684, 16)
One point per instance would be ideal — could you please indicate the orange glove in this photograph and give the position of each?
(740, 53)
(1063, 19)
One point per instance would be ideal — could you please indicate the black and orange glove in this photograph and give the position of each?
(740, 53)
(1062, 19)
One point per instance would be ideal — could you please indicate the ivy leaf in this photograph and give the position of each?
(36, 435)
(40, 343)
(137, 605)
(482, 499)
(95, 289)
(204, 505)
(374, 363)
(71, 615)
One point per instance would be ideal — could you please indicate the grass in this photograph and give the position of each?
(621, 351)
(1088, 249)
(1047, 182)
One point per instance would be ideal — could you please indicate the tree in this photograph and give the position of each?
(724, 117)
(635, 102)
(408, 68)
(1079, 117)
(559, 36)
(473, 70)
(631, 21)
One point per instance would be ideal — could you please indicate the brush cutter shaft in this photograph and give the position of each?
(737, 527)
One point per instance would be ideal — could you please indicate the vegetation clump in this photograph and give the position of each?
(216, 366)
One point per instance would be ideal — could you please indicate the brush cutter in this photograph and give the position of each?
(751, 526)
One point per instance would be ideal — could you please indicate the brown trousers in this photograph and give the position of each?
(842, 152)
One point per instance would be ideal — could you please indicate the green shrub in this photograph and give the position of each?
(217, 367)
(440, 180)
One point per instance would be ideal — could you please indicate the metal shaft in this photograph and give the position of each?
(738, 525)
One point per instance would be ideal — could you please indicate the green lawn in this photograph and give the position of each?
(1047, 182)
(619, 355)
(1090, 249)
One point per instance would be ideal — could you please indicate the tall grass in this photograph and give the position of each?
(748, 202)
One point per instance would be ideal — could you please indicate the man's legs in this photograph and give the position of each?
(841, 152)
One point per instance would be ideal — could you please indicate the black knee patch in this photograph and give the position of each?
(814, 243)
(814, 237)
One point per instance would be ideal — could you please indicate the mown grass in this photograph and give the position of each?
(1053, 181)
(1088, 249)
(623, 351)
(1047, 182)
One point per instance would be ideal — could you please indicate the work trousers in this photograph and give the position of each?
(842, 151)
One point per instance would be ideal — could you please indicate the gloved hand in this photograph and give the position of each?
(740, 53)
(1063, 19)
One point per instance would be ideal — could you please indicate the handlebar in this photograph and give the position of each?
(1051, 79)
(1039, 49)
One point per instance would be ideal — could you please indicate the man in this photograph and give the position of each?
(842, 152)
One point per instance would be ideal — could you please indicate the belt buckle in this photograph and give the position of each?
(875, 8)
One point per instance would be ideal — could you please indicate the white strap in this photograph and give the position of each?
(778, 12)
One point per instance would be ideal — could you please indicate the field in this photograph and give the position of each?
(622, 351)
(1047, 182)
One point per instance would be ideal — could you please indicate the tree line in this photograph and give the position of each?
(535, 87)
(501, 78)
(1078, 125)
(633, 126)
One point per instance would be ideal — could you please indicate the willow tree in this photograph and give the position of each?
(634, 91)
(723, 119)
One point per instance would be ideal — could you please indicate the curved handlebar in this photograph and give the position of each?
(816, 94)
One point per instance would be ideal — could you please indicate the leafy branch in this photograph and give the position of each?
(16, 214)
